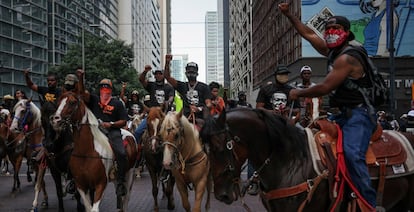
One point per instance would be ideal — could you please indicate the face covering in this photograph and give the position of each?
(106, 95)
(69, 87)
(191, 76)
(282, 78)
(335, 37)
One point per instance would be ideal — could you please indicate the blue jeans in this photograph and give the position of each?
(250, 169)
(357, 130)
(140, 130)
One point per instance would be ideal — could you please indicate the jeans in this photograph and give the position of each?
(250, 169)
(357, 129)
(140, 130)
(115, 139)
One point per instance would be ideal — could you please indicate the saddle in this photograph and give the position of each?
(385, 148)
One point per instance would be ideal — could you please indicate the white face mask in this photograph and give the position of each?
(282, 78)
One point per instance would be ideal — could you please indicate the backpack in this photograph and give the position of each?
(377, 94)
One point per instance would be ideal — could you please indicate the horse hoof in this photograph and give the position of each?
(34, 209)
(45, 204)
(171, 206)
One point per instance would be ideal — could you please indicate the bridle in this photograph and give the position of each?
(25, 119)
(67, 121)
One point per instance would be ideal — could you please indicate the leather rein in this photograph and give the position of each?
(308, 186)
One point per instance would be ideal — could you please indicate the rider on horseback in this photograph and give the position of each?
(113, 117)
(354, 115)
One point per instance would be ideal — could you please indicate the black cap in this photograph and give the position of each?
(191, 65)
(241, 93)
(158, 70)
(341, 20)
(281, 69)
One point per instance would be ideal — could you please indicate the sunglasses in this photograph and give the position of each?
(104, 86)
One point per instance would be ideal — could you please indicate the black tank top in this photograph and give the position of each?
(344, 96)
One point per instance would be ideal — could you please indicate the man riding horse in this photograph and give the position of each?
(112, 115)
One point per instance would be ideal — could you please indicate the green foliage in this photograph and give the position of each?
(103, 59)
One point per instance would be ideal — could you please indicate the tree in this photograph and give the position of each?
(104, 58)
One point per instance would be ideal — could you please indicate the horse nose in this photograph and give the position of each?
(56, 118)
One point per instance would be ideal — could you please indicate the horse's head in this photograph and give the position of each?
(227, 154)
(26, 113)
(154, 120)
(179, 138)
(70, 111)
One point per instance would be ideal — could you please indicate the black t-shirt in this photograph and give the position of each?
(159, 93)
(134, 107)
(114, 111)
(48, 94)
(195, 95)
(272, 95)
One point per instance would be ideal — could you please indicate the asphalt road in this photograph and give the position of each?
(141, 197)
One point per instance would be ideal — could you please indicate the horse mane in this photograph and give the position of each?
(189, 129)
(99, 137)
(34, 109)
(286, 139)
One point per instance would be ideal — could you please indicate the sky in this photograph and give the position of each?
(188, 30)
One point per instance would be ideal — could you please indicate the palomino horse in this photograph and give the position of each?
(27, 122)
(92, 159)
(184, 155)
(282, 159)
(152, 152)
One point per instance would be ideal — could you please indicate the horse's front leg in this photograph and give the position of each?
(58, 184)
(40, 184)
(182, 189)
(200, 188)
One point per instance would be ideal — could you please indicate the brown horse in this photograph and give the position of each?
(281, 157)
(184, 155)
(27, 123)
(92, 159)
(152, 152)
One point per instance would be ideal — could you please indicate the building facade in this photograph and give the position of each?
(241, 48)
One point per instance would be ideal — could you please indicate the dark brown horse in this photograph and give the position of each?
(185, 157)
(92, 158)
(280, 155)
(152, 152)
(27, 123)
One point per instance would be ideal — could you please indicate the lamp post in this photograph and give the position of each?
(83, 43)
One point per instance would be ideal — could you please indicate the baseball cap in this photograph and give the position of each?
(147, 98)
(191, 65)
(241, 93)
(282, 69)
(305, 68)
(341, 20)
(158, 70)
(71, 79)
(411, 113)
(104, 82)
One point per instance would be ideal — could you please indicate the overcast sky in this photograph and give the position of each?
(187, 30)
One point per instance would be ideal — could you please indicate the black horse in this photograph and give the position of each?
(59, 146)
(280, 155)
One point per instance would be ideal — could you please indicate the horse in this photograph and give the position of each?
(282, 159)
(152, 152)
(27, 123)
(92, 159)
(183, 154)
(4, 134)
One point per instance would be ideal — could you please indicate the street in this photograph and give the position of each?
(141, 197)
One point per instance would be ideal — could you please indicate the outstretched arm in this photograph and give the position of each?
(122, 95)
(167, 74)
(317, 42)
(29, 82)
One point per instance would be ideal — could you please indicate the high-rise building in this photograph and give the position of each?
(241, 48)
(212, 48)
(36, 34)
